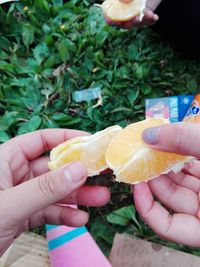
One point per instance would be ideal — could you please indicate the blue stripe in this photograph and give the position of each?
(50, 227)
(59, 241)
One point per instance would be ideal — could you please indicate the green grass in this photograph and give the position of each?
(49, 49)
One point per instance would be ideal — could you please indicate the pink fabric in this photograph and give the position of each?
(81, 251)
(56, 232)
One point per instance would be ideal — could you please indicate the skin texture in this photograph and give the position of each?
(178, 192)
(29, 193)
(149, 18)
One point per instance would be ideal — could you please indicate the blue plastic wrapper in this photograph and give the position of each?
(87, 94)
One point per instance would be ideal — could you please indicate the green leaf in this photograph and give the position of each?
(65, 120)
(63, 51)
(132, 95)
(33, 66)
(41, 52)
(57, 3)
(142, 70)
(27, 34)
(65, 48)
(7, 120)
(29, 126)
(51, 124)
(4, 43)
(121, 109)
(42, 4)
(99, 229)
(101, 37)
(146, 89)
(102, 234)
(4, 66)
(61, 117)
(133, 53)
(3, 137)
(122, 216)
(192, 84)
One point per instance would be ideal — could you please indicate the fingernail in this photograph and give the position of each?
(150, 136)
(75, 172)
(155, 17)
(189, 165)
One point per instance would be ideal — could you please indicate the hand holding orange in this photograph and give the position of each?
(132, 161)
(121, 150)
(123, 10)
(175, 213)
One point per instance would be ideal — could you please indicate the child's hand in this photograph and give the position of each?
(29, 193)
(148, 19)
(179, 192)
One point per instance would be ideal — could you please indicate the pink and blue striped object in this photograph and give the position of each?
(73, 247)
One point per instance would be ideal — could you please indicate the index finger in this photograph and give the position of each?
(36, 143)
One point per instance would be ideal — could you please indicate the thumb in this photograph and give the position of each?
(181, 138)
(26, 199)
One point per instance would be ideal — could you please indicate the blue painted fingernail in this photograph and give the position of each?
(150, 136)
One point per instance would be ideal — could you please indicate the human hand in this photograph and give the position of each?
(149, 17)
(29, 193)
(179, 192)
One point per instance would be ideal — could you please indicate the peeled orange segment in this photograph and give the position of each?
(132, 161)
(67, 145)
(90, 150)
(123, 10)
